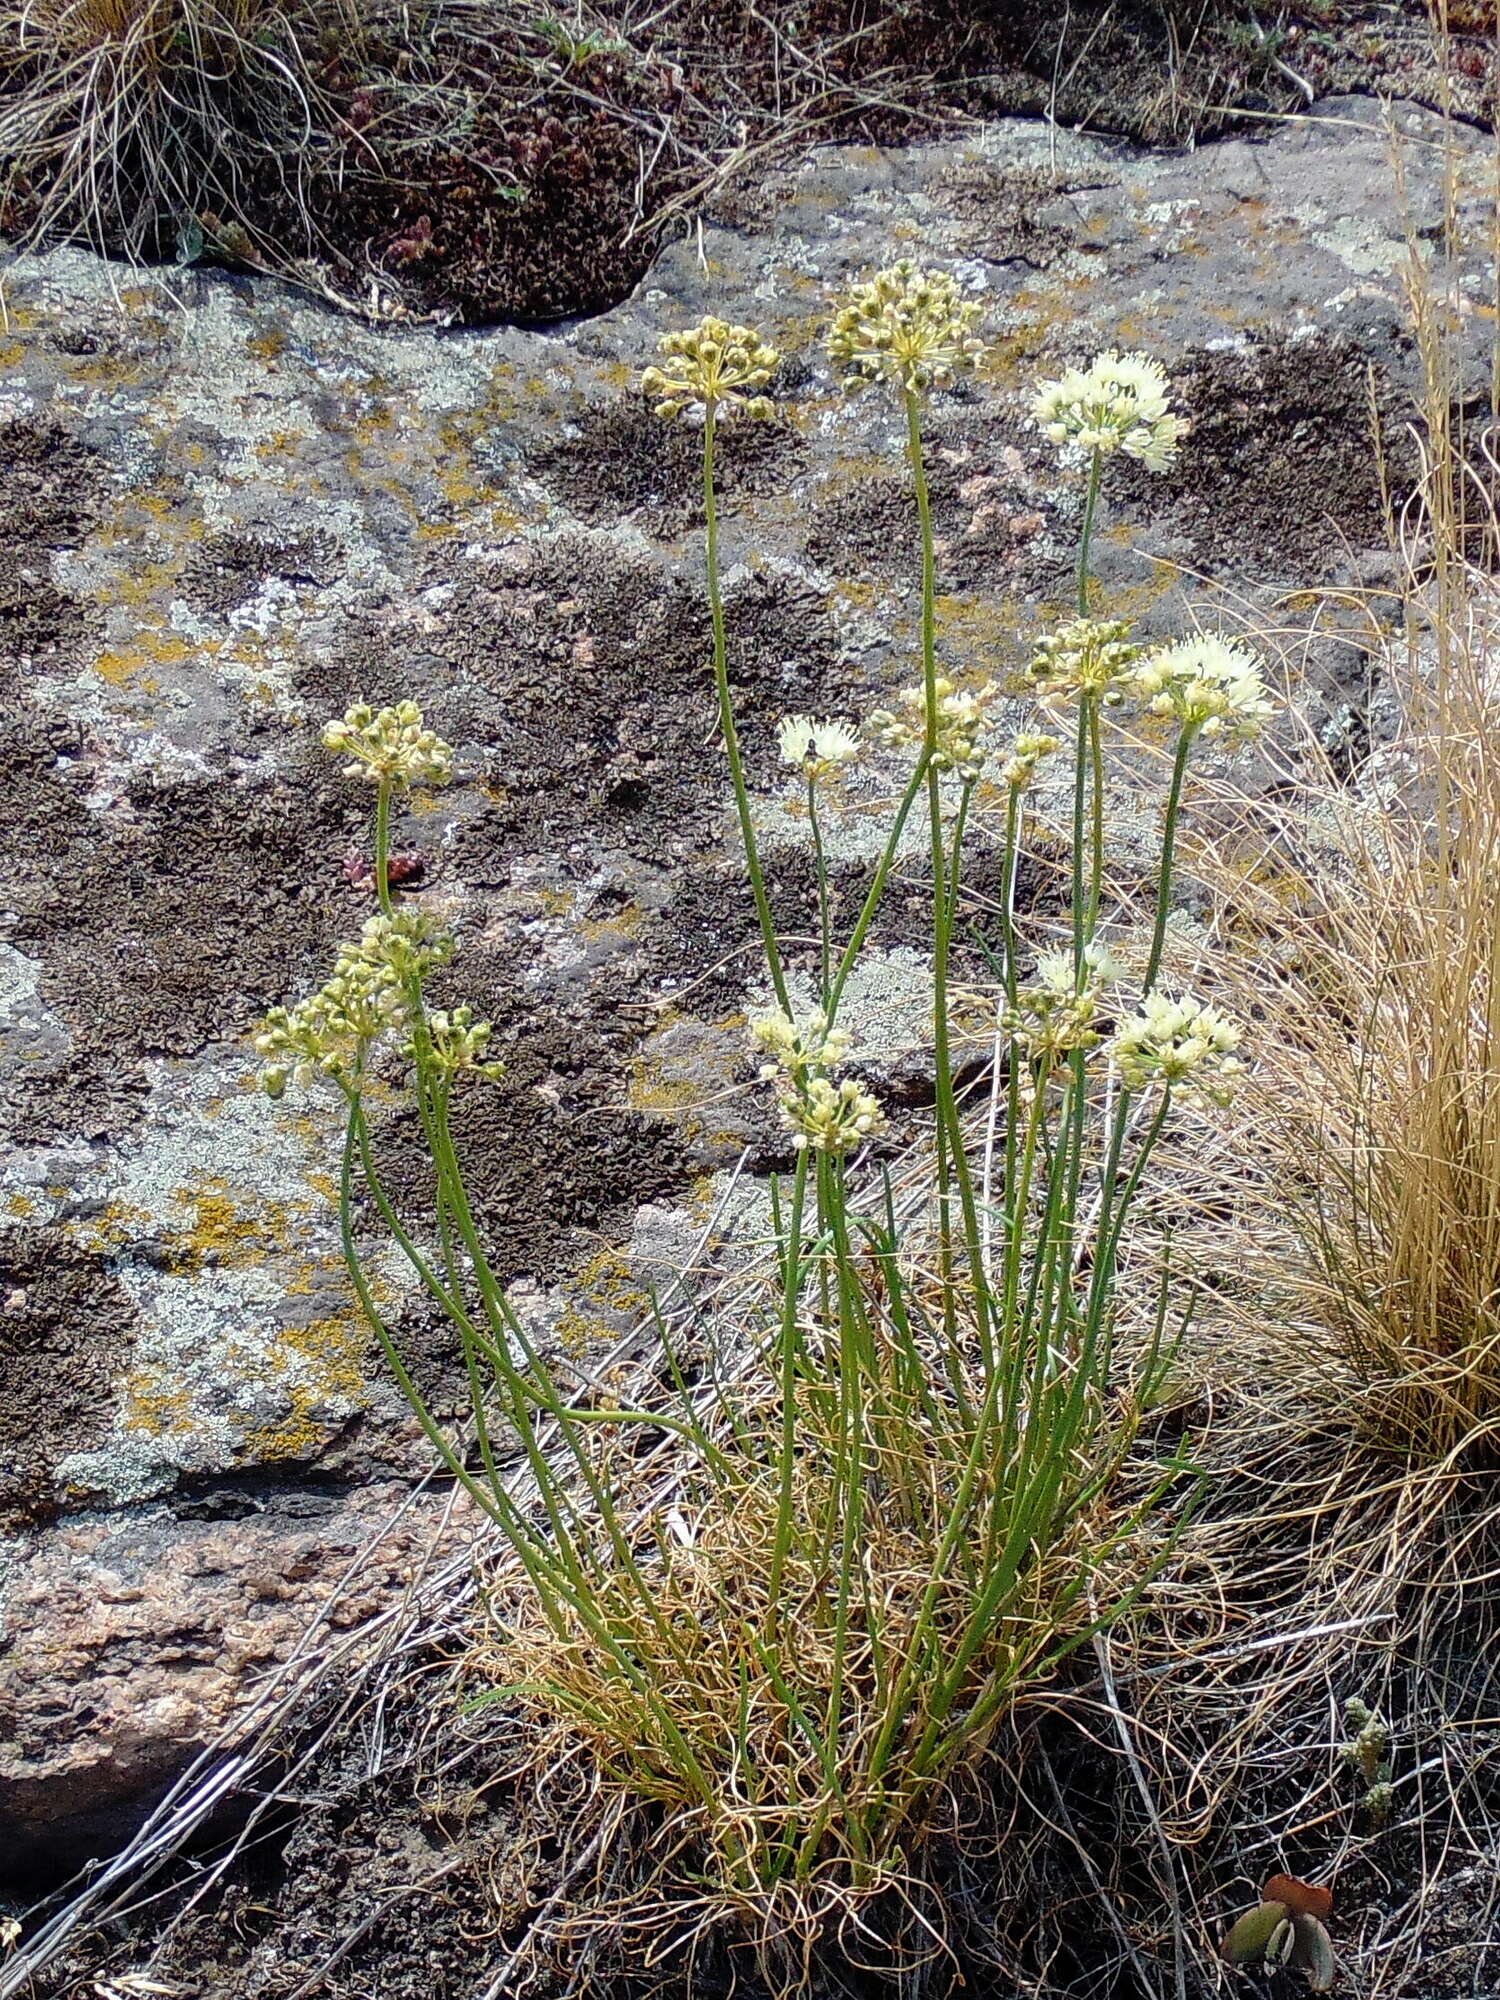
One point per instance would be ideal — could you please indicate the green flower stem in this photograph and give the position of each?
(791, 1291)
(1096, 842)
(383, 846)
(1168, 854)
(820, 861)
(1085, 540)
(871, 906)
(953, 1162)
(726, 720)
(1080, 796)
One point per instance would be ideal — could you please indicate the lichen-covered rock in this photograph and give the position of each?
(231, 512)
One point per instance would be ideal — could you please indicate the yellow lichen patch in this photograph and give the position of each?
(154, 1406)
(21, 1206)
(269, 346)
(12, 354)
(131, 666)
(604, 1294)
(330, 1352)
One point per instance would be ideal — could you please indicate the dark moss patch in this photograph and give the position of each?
(1001, 209)
(553, 1159)
(187, 914)
(53, 488)
(1281, 475)
(990, 508)
(622, 459)
(64, 1325)
(227, 570)
(576, 680)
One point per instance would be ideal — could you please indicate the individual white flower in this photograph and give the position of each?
(1117, 403)
(1208, 685)
(816, 748)
(906, 325)
(961, 722)
(1026, 751)
(829, 1117)
(798, 1044)
(712, 366)
(1085, 657)
(1183, 1044)
(391, 747)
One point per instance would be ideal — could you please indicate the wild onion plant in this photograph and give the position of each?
(904, 1507)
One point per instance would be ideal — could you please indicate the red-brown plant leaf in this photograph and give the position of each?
(1300, 1897)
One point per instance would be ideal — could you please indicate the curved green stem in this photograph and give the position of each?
(727, 724)
(1168, 851)
(1085, 540)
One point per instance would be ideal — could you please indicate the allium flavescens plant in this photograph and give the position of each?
(901, 1506)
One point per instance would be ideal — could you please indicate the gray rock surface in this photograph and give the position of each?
(230, 513)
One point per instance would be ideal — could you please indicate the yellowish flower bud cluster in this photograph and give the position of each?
(1208, 685)
(908, 326)
(391, 747)
(1118, 403)
(325, 1034)
(798, 1044)
(1087, 656)
(816, 748)
(831, 1117)
(961, 722)
(1056, 1014)
(369, 995)
(1026, 752)
(712, 366)
(1182, 1044)
(458, 1042)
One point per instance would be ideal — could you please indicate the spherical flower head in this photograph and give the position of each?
(1026, 751)
(1087, 658)
(798, 1044)
(908, 326)
(392, 747)
(1057, 1012)
(830, 1117)
(1118, 403)
(962, 719)
(1208, 685)
(1181, 1045)
(712, 367)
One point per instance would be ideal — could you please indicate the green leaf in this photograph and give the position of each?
(1253, 1933)
(1314, 1953)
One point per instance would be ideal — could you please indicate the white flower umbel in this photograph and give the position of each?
(326, 1034)
(961, 723)
(1208, 685)
(1057, 1013)
(816, 748)
(1087, 657)
(1117, 403)
(391, 747)
(798, 1044)
(712, 366)
(1182, 1044)
(831, 1117)
(908, 326)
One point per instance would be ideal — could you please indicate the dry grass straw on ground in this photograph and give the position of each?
(129, 121)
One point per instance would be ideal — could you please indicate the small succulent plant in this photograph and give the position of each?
(1368, 1753)
(1287, 1928)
